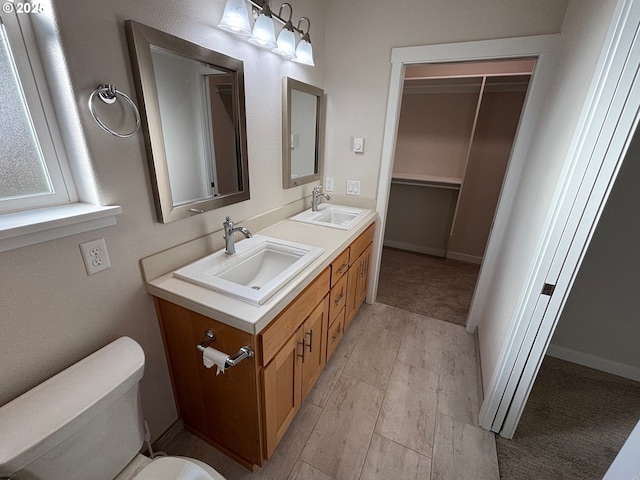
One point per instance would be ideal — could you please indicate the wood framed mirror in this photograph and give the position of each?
(302, 133)
(192, 106)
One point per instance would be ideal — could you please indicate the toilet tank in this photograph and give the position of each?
(85, 423)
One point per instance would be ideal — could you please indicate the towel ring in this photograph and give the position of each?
(108, 94)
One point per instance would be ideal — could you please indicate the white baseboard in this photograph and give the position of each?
(584, 359)
(463, 257)
(415, 248)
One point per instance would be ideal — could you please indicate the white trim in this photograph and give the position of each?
(541, 47)
(437, 252)
(598, 363)
(601, 138)
(463, 257)
(40, 225)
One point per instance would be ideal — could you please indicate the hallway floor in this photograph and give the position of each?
(397, 400)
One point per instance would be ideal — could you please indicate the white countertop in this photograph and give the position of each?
(253, 318)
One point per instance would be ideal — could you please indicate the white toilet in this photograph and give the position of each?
(86, 424)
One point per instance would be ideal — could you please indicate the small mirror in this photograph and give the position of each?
(193, 111)
(302, 133)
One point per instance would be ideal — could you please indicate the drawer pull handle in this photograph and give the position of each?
(337, 334)
(340, 297)
(310, 333)
(343, 267)
(304, 346)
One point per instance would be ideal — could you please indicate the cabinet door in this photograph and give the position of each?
(352, 284)
(363, 276)
(315, 355)
(357, 285)
(282, 394)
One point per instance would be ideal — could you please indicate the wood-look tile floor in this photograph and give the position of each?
(397, 400)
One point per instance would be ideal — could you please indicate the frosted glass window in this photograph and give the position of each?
(23, 172)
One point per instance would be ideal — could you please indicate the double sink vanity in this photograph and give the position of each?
(288, 293)
(268, 310)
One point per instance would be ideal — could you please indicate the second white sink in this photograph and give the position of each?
(259, 268)
(334, 216)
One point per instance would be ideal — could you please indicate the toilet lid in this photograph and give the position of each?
(175, 468)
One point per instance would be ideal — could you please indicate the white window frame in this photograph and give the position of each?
(30, 220)
(28, 65)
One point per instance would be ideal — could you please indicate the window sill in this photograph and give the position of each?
(40, 225)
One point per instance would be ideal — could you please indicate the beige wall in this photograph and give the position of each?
(582, 36)
(434, 131)
(52, 313)
(359, 39)
(498, 120)
(600, 318)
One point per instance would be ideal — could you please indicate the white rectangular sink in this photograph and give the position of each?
(334, 216)
(260, 267)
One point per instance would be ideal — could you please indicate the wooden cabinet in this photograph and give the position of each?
(358, 275)
(246, 411)
(291, 374)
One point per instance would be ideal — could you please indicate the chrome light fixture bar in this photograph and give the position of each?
(236, 20)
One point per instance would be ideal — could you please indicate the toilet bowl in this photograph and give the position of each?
(168, 468)
(86, 423)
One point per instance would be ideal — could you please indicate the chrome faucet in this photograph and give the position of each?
(229, 238)
(315, 198)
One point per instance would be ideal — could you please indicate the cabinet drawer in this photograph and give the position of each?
(339, 266)
(335, 333)
(360, 243)
(284, 325)
(338, 298)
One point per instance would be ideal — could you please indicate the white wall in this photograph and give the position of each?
(600, 319)
(581, 40)
(52, 313)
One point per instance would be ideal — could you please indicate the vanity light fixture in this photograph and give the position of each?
(236, 20)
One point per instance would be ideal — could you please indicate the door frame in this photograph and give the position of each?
(541, 47)
(606, 127)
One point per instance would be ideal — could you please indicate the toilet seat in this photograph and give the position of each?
(177, 468)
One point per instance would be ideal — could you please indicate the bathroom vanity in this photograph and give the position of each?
(246, 410)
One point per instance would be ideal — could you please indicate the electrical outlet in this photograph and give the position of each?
(328, 185)
(353, 187)
(95, 256)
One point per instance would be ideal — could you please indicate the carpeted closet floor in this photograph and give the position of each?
(436, 287)
(576, 418)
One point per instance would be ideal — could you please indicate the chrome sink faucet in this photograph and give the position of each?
(229, 238)
(315, 198)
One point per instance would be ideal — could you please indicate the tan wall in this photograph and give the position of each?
(600, 318)
(581, 40)
(497, 123)
(52, 313)
(358, 49)
(434, 131)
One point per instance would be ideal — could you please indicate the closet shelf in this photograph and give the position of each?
(434, 181)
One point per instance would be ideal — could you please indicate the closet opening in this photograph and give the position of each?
(456, 128)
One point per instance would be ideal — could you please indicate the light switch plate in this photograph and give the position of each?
(358, 144)
(328, 185)
(353, 187)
